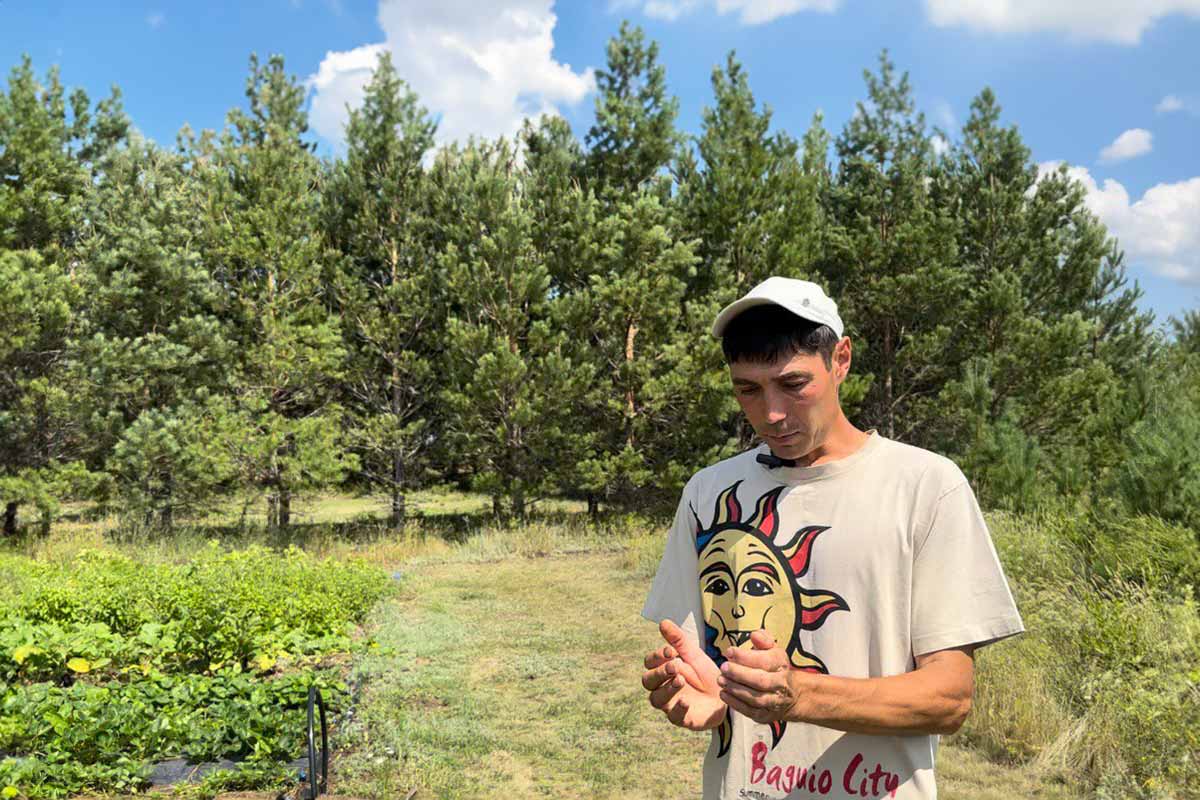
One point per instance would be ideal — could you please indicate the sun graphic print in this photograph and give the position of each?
(750, 581)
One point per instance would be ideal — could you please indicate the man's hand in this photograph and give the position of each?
(933, 698)
(682, 681)
(760, 683)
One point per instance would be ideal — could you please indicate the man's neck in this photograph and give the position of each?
(843, 440)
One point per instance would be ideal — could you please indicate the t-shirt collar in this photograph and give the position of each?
(826, 470)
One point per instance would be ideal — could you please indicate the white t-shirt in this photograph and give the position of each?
(856, 566)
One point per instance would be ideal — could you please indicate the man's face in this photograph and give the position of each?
(791, 402)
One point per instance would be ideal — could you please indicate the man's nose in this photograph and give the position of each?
(776, 410)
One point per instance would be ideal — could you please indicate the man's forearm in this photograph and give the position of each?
(918, 702)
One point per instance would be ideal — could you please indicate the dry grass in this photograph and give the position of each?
(516, 650)
(519, 678)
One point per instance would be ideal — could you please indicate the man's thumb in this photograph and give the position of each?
(674, 635)
(762, 640)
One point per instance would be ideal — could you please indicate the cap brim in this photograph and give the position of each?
(736, 307)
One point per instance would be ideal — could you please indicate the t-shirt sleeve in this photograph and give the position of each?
(959, 593)
(675, 592)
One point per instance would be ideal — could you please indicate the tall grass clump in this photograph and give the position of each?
(1104, 688)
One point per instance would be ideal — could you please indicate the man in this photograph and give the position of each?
(822, 595)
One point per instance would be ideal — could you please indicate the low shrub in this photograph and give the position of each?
(108, 663)
(1104, 688)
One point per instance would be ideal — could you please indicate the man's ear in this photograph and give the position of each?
(842, 356)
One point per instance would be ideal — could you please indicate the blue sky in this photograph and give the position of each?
(1076, 76)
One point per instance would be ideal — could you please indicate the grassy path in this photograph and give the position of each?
(519, 678)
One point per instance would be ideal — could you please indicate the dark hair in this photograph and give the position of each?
(765, 333)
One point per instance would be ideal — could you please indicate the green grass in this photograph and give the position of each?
(516, 652)
(519, 678)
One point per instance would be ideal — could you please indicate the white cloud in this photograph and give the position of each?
(156, 20)
(482, 68)
(1160, 230)
(1117, 21)
(750, 12)
(1168, 104)
(939, 145)
(943, 112)
(669, 10)
(1130, 144)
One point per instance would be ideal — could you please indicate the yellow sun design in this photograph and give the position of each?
(749, 582)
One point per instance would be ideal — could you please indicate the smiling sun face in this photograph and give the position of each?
(749, 582)
(736, 605)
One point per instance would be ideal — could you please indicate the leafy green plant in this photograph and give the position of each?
(108, 664)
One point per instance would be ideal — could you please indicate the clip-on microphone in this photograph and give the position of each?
(772, 461)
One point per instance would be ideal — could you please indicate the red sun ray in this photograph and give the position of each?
(766, 516)
(812, 618)
(777, 729)
(802, 543)
(733, 507)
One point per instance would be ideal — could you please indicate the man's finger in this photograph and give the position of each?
(683, 644)
(762, 640)
(755, 698)
(678, 709)
(674, 635)
(663, 694)
(653, 678)
(690, 651)
(690, 675)
(770, 660)
(756, 714)
(752, 677)
(660, 656)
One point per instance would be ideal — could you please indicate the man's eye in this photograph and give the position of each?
(748, 390)
(756, 588)
(795, 386)
(719, 586)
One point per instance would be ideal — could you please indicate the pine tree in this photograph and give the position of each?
(1046, 315)
(746, 199)
(47, 156)
(503, 416)
(389, 290)
(151, 350)
(891, 257)
(1187, 330)
(565, 214)
(39, 443)
(267, 251)
(50, 147)
(620, 323)
(634, 136)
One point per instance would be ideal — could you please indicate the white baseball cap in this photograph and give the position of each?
(802, 298)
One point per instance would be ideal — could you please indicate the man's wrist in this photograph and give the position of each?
(802, 685)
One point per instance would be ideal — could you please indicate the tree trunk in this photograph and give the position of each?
(10, 518)
(285, 508)
(889, 368)
(593, 506)
(166, 515)
(272, 511)
(497, 506)
(518, 502)
(631, 332)
(398, 509)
